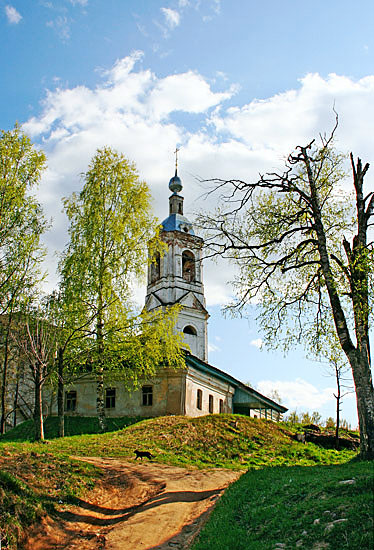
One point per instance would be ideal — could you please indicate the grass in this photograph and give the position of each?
(206, 442)
(320, 507)
(74, 425)
(42, 474)
(32, 482)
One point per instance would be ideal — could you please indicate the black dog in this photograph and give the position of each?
(141, 454)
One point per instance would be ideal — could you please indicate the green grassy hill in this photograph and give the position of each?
(34, 476)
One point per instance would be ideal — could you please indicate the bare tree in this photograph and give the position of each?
(37, 340)
(301, 244)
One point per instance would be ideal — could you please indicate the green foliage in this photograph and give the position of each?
(330, 423)
(288, 236)
(296, 508)
(111, 232)
(21, 218)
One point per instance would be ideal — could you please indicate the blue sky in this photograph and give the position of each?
(236, 83)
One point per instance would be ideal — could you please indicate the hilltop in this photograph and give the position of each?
(35, 477)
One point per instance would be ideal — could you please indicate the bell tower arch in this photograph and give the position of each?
(177, 277)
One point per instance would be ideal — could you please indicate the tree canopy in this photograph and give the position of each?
(301, 245)
(21, 225)
(111, 234)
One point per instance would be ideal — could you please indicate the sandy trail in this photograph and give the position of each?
(135, 506)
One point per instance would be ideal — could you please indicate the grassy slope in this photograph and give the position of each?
(322, 507)
(41, 474)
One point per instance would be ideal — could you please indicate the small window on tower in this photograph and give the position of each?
(190, 330)
(156, 268)
(188, 266)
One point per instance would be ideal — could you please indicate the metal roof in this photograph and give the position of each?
(177, 222)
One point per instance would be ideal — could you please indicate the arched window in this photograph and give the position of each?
(188, 266)
(199, 399)
(190, 330)
(211, 410)
(156, 268)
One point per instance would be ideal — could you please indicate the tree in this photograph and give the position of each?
(340, 369)
(111, 231)
(316, 418)
(293, 418)
(21, 226)
(37, 340)
(301, 245)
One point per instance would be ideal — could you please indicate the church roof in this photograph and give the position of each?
(243, 393)
(177, 222)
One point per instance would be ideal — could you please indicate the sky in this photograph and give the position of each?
(236, 84)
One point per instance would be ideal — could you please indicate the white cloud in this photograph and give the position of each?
(79, 2)
(172, 17)
(136, 112)
(61, 25)
(257, 343)
(13, 15)
(298, 394)
(212, 348)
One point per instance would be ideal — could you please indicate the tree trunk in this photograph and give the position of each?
(60, 393)
(100, 408)
(365, 403)
(100, 401)
(15, 404)
(5, 376)
(337, 420)
(38, 410)
(3, 388)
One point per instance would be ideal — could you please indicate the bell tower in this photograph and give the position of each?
(176, 277)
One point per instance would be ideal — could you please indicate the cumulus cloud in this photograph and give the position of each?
(79, 2)
(172, 17)
(292, 117)
(298, 394)
(12, 14)
(135, 111)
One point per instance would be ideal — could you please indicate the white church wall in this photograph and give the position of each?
(209, 386)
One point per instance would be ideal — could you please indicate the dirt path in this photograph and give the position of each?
(136, 506)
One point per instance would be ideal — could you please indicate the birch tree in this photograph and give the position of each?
(21, 225)
(302, 247)
(111, 230)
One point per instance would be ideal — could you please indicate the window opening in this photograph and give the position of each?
(199, 401)
(147, 396)
(156, 268)
(190, 330)
(110, 398)
(221, 406)
(188, 266)
(70, 400)
(211, 404)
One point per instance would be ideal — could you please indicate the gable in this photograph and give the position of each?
(152, 302)
(190, 300)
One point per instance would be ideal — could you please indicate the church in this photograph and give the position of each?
(199, 388)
